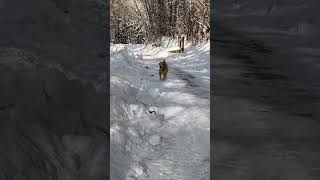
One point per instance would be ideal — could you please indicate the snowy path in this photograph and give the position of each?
(175, 146)
(184, 151)
(260, 131)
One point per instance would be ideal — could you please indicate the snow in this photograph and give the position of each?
(252, 113)
(154, 140)
(285, 24)
(53, 68)
(159, 129)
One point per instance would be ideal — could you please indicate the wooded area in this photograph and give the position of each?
(146, 21)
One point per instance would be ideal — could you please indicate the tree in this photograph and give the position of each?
(134, 20)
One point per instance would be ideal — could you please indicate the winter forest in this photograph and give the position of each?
(146, 21)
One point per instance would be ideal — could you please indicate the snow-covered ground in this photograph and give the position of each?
(53, 118)
(291, 26)
(266, 89)
(159, 129)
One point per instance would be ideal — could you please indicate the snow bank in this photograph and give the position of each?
(131, 123)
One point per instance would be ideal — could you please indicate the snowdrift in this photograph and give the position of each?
(131, 122)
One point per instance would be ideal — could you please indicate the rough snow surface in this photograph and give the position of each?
(285, 24)
(154, 140)
(159, 129)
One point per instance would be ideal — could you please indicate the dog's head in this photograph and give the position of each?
(163, 64)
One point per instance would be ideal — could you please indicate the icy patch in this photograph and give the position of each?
(171, 84)
(186, 98)
(154, 92)
(172, 111)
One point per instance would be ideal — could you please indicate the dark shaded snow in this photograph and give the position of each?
(266, 100)
(52, 96)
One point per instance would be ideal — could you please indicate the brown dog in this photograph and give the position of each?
(163, 70)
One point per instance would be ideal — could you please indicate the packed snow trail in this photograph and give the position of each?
(171, 139)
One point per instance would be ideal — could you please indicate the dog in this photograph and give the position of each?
(163, 70)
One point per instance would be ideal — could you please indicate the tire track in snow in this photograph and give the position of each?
(194, 85)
